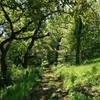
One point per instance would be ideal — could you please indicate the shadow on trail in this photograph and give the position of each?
(49, 88)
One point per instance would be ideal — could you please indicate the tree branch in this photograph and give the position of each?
(23, 29)
(35, 38)
(7, 18)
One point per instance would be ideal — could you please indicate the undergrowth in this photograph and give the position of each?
(24, 79)
(81, 82)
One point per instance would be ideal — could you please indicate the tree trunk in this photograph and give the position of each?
(78, 44)
(25, 58)
(56, 54)
(6, 79)
(3, 64)
(78, 30)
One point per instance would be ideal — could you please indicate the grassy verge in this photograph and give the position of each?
(24, 80)
(82, 82)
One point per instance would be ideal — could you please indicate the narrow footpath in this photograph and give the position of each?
(49, 88)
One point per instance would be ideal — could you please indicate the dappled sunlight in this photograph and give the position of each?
(49, 49)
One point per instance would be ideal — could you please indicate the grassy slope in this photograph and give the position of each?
(81, 81)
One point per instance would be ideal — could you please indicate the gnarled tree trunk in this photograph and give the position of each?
(6, 79)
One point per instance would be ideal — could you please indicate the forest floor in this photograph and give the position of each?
(50, 87)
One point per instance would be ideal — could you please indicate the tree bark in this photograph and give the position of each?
(78, 30)
(3, 63)
(78, 44)
(25, 58)
(57, 49)
(4, 68)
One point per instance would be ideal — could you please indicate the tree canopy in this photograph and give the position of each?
(47, 32)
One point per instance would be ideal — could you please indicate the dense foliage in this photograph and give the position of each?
(42, 33)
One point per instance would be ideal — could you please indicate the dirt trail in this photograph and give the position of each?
(49, 88)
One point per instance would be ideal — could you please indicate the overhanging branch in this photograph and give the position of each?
(23, 29)
(7, 18)
(29, 37)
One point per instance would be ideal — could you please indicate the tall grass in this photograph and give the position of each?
(84, 76)
(24, 80)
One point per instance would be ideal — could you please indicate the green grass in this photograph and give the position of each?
(86, 75)
(24, 80)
